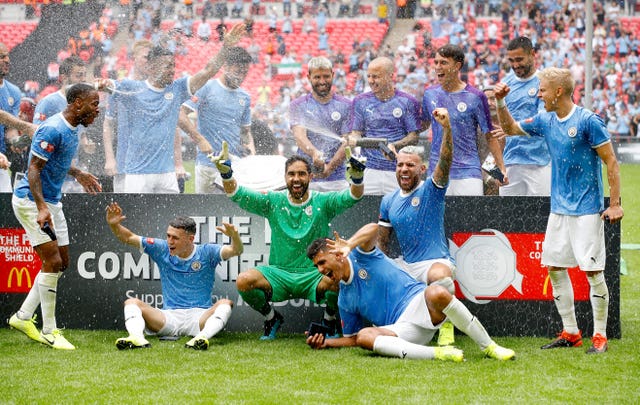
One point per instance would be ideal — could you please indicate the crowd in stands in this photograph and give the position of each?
(481, 27)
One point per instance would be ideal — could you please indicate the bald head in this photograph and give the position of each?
(380, 78)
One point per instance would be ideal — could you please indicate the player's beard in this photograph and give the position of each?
(299, 193)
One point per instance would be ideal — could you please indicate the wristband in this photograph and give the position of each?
(227, 175)
(355, 181)
(500, 103)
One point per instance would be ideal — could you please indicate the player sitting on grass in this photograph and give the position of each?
(407, 312)
(187, 273)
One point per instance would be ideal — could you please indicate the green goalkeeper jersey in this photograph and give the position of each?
(294, 226)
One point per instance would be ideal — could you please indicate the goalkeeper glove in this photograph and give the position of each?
(222, 162)
(355, 167)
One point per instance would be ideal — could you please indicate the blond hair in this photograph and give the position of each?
(559, 77)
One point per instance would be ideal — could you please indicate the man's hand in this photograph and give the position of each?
(316, 341)
(228, 229)
(4, 162)
(355, 167)
(441, 115)
(234, 36)
(114, 214)
(338, 245)
(89, 182)
(222, 162)
(500, 91)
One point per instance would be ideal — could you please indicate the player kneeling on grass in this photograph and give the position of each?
(373, 288)
(187, 273)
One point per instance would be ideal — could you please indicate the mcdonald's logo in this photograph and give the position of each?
(19, 273)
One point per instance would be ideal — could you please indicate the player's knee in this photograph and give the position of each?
(225, 301)
(438, 272)
(437, 296)
(245, 282)
(595, 277)
(132, 301)
(366, 337)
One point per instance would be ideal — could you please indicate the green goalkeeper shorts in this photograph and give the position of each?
(287, 284)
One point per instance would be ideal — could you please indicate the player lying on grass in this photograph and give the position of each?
(187, 274)
(373, 288)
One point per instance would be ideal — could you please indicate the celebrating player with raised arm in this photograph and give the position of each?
(187, 273)
(578, 141)
(296, 216)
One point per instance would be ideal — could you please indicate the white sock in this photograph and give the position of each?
(599, 297)
(32, 301)
(270, 315)
(133, 320)
(464, 320)
(563, 298)
(216, 321)
(47, 286)
(328, 317)
(392, 346)
(446, 282)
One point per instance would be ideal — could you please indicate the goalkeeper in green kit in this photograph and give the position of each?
(297, 216)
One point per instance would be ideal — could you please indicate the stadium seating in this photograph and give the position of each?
(13, 34)
(342, 33)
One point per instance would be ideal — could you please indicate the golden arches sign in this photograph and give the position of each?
(19, 273)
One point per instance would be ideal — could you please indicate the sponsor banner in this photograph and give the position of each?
(19, 263)
(499, 274)
(492, 265)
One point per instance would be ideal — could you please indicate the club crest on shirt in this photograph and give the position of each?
(397, 112)
(11, 101)
(572, 132)
(462, 107)
(196, 265)
(415, 201)
(168, 96)
(362, 273)
(308, 210)
(532, 91)
(336, 116)
(46, 146)
(242, 102)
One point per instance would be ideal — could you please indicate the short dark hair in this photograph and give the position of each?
(69, 63)
(158, 52)
(77, 91)
(520, 42)
(237, 56)
(452, 51)
(186, 223)
(297, 158)
(316, 247)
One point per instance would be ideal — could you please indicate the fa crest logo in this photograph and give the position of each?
(336, 116)
(397, 112)
(572, 132)
(462, 107)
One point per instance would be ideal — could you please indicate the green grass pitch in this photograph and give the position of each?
(238, 368)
